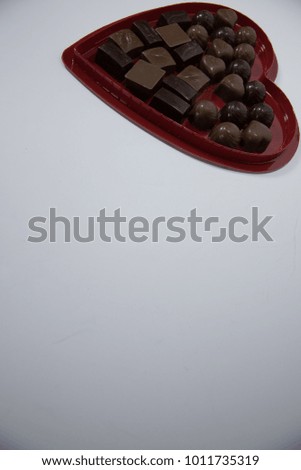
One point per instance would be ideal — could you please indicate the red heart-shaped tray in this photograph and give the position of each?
(80, 61)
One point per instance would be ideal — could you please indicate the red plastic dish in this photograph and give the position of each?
(79, 60)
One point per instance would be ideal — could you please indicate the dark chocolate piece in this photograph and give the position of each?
(160, 57)
(246, 34)
(255, 92)
(227, 134)
(240, 67)
(221, 49)
(110, 57)
(143, 78)
(178, 16)
(198, 33)
(146, 33)
(226, 17)
(235, 112)
(180, 87)
(213, 67)
(204, 114)
(246, 52)
(262, 112)
(194, 77)
(173, 35)
(256, 137)
(128, 42)
(188, 53)
(170, 104)
(206, 19)
(231, 88)
(226, 34)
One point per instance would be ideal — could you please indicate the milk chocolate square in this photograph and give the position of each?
(194, 77)
(173, 35)
(144, 78)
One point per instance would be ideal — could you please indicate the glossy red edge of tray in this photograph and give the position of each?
(179, 136)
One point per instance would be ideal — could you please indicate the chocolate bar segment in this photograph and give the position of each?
(161, 57)
(194, 77)
(180, 87)
(177, 16)
(144, 78)
(146, 33)
(188, 53)
(111, 58)
(170, 104)
(128, 42)
(173, 35)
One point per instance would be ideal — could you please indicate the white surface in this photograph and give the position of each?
(138, 345)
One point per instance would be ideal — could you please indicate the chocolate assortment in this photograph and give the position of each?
(171, 63)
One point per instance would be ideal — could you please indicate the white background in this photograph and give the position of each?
(138, 346)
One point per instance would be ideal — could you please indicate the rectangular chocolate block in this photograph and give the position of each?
(170, 105)
(180, 88)
(187, 54)
(144, 78)
(194, 77)
(161, 57)
(146, 33)
(111, 58)
(128, 42)
(176, 16)
(173, 35)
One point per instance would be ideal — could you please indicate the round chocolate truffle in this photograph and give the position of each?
(204, 114)
(206, 19)
(199, 34)
(221, 49)
(231, 88)
(262, 112)
(226, 34)
(255, 93)
(240, 67)
(235, 112)
(246, 52)
(226, 17)
(256, 137)
(247, 35)
(226, 133)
